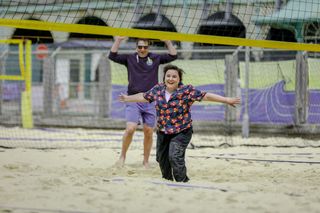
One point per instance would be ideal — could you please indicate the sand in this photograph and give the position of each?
(85, 179)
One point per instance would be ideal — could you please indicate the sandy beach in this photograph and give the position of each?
(55, 177)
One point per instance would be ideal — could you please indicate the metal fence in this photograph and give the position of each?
(79, 87)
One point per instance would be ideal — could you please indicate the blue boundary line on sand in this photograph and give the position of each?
(189, 186)
(61, 139)
(220, 157)
(178, 185)
(51, 130)
(271, 153)
(75, 132)
(88, 133)
(65, 139)
(39, 209)
(266, 160)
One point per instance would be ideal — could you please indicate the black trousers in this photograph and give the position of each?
(171, 149)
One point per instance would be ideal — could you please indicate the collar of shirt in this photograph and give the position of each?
(175, 93)
(143, 58)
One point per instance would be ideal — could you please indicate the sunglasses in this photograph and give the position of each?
(145, 47)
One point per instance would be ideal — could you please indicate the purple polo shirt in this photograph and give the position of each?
(142, 72)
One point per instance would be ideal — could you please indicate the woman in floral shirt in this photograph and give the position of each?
(173, 100)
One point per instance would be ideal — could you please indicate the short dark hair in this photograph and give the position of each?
(172, 67)
(143, 39)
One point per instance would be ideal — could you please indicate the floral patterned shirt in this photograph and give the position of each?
(174, 115)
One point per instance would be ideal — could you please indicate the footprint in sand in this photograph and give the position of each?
(8, 177)
(11, 166)
(21, 167)
(131, 172)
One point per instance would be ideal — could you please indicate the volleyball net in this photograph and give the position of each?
(265, 51)
(239, 23)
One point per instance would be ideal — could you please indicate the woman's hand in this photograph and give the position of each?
(233, 101)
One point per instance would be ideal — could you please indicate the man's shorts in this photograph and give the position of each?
(135, 112)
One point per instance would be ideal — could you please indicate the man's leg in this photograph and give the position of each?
(147, 144)
(148, 115)
(126, 141)
(132, 117)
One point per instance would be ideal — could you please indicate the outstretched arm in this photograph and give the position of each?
(171, 48)
(116, 44)
(221, 99)
(132, 98)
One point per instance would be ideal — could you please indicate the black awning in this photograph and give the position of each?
(156, 22)
(219, 19)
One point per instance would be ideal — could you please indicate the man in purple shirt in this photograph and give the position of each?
(142, 68)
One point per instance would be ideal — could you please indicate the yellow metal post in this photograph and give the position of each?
(26, 103)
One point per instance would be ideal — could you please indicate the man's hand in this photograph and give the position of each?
(171, 48)
(116, 44)
(120, 38)
(122, 97)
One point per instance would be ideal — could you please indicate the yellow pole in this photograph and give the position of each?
(21, 58)
(28, 66)
(26, 108)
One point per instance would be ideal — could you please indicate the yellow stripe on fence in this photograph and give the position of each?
(25, 64)
(19, 42)
(12, 77)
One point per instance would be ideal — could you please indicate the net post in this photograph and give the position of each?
(48, 86)
(104, 88)
(245, 118)
(21, 58)
(301, 88)
(231, 85)
(3, 56)
(2, 71)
